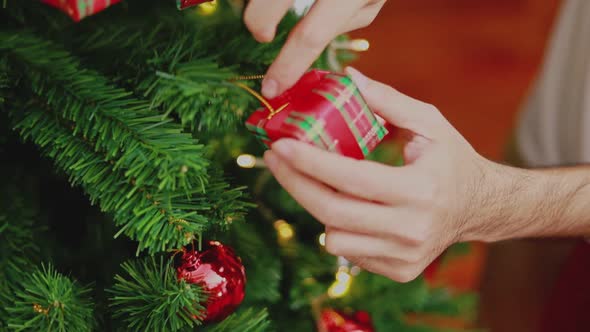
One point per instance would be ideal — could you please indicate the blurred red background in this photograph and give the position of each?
(474, 60)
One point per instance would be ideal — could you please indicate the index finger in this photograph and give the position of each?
(309, 38)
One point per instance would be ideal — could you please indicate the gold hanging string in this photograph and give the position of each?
(258, 96)
(247, 78)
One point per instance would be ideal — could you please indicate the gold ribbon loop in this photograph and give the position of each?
(258, 96)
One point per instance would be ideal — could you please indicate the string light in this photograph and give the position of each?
(250, 161)
(343, 279)
(208, 8)
(284, 230)
(341, 285)
(355, 45)
(343, 262)
(360, 45)
(322, 239)
(246, 161)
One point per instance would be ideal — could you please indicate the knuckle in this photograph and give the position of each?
(428, 192)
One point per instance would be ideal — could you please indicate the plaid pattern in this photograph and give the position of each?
(313, 130)
(259, 131)
(79, 9)
(335, 117)
(363, 124)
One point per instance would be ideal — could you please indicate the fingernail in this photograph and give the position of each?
(359, 79)
(283, 148)
(270, 159)
(270, 88)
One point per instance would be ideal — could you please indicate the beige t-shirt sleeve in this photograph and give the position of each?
(554, 124)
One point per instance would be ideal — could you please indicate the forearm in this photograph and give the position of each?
(524, 203)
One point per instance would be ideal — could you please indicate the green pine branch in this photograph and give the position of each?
(16, 244)
(4, 80)
(415, 297)
(175, 68)
(264, 267)
(249, 320)
(16, 234)
(136, 211)
(443, 302)
(149, 147)
(179, 60)
(46, 300)
(151, 158)
(13, 239)
(199, 92)
(149, 297)
(18, 248)
(166, 56)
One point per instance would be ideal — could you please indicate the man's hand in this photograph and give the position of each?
(395, 221)
(392, 221)
(326, 20)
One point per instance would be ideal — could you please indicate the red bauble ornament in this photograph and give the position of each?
(183, 4)
(338, 321)
(220, 273)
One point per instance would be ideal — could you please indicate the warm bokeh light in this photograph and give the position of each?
(360, 45)
(284, 230)
(322, 239)
(246, 161)
(341, 286)
(208, 8)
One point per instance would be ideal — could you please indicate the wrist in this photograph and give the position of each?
(504, 203)
(513, 203)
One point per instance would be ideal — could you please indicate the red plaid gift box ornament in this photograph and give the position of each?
(79, 9)
(184, 4)
(323, 109)
(338, 321)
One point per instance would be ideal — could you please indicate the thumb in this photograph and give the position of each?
(398, 109)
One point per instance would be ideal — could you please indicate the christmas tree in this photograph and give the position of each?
(122, 204)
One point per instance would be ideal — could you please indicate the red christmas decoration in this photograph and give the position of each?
(184, 4)
(220, 273)
(79, 9)
(338, 321)
(323, 109)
